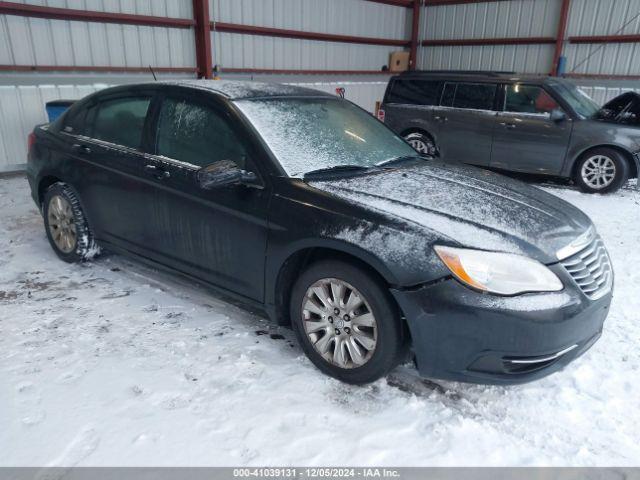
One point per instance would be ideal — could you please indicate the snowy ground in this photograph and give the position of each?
(110, 363)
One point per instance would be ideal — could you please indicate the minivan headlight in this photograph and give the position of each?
(496, 272)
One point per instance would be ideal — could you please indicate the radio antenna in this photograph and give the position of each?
(153, 73)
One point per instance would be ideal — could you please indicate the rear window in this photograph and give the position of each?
(414, 92)
(121, 121)
(476, 96)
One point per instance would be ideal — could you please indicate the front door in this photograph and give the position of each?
(219, 235)
(465, 122)
(526, 138)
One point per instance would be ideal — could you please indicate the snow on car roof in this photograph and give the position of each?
(237, 89)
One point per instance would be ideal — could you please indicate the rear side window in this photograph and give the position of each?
(196, 134)
(414, 92)
(528, 99)
(121, 121)
(477, 96)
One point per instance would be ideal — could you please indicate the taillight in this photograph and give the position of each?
(31, 140)
(381, 115)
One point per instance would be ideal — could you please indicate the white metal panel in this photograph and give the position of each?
(159, 8)
(518, 58)
(248, 51)
(346, 17)
(603, 94)
(36, 41)
(515, 18)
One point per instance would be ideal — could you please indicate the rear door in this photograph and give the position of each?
(410, 103)
(107, 142)
(525, 138)
(465, 122)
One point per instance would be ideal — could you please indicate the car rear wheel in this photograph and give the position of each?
(66, 225)
(601, 170)
(345, 322)
(421, 143)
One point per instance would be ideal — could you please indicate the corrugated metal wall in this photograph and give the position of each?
(36, 41)
(516, 18)
(603, 17)
(346, 17)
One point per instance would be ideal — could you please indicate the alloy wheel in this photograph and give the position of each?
(62, 225)
(339, 323)
(598, 172)
(421, 146)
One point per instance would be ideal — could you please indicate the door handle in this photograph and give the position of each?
(508, 125)
(156, 172)
(440, 119)
(82, 149)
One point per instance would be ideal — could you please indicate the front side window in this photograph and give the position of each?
(414, 92)
(121, 121)
(528, 99)
(196, 134)
(307, 134)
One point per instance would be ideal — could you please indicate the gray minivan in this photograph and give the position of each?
(531, 124)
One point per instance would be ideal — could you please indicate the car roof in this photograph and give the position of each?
(238, 89)
(477, 76)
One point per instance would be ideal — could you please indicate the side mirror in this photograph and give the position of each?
(557, 115)
(222, 174)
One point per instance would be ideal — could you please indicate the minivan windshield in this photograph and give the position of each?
(582, 103)
(311, 134)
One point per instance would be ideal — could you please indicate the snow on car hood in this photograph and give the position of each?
(472, 207)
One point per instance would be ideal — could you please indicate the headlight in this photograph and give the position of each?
(500, 273)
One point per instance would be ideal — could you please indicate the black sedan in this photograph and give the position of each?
(307, 206)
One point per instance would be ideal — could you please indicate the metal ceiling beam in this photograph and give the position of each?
(489, 41)
(605, 39)
(93, 68)
(396, 3)
(302, 35)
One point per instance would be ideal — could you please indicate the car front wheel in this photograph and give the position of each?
(66, 225)
(345, 322)
(601, 170)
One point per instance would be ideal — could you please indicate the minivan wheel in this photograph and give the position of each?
(421, 143)
(345, 322)
(601, 170)
(66, 225)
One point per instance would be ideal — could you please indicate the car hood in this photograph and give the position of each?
(623, 109)
(467, 206)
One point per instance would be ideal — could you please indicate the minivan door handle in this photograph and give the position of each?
(440, 119)
(81, 149)
(156, 172)
(508, 125)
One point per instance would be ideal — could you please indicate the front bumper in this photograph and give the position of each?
(462, 335)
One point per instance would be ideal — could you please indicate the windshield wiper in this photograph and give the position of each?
(397, 160)
(337, 169)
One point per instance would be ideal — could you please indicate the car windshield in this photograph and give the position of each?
(582, 103)
(310, 134)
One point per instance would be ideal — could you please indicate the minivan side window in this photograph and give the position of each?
(121, 121)
(194, 133)
(414, 92)
(528, 99)
(477, 96)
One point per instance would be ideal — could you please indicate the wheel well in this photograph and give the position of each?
(299, 261)
(45, 183)
(633, 171)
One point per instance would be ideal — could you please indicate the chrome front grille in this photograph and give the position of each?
(591, 269)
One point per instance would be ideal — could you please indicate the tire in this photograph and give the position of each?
(367, 352)
(66, 225)
(421, 143)
(601, 170)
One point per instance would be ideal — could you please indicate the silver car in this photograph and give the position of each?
(540, 125)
